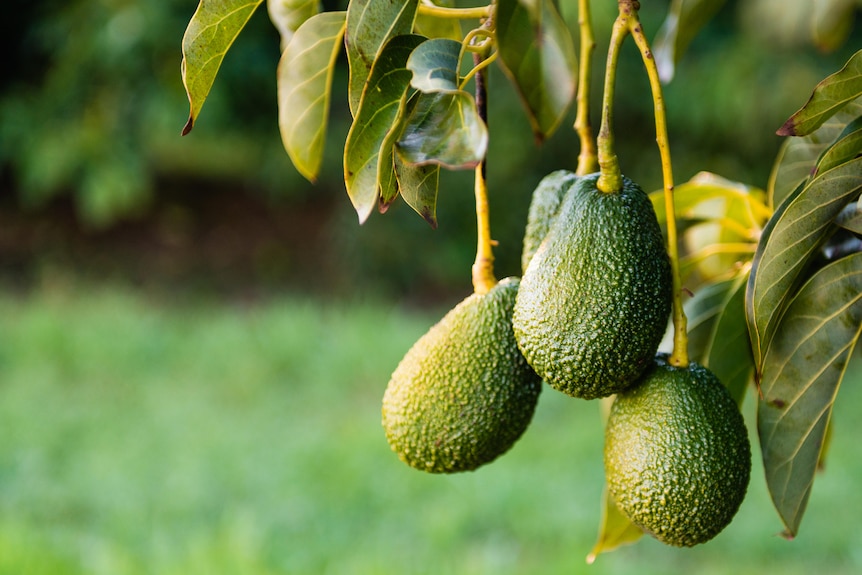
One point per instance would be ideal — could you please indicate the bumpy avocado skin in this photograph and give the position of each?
(544, 207)
(595, 300)
(463, 394)
(677, 454)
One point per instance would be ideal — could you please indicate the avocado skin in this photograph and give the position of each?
(595, 300)
(463, 394)
(544, 207)
(677, 455)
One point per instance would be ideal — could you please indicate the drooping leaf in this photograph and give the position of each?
(434, 27)
(209, 35)
(790, 238)
(682, 23)
(718, 334)
(445, 129)
(828, 98)
(831, 23)
(370, 25)
(802, 371)
(375, 118)
(304, 82)
(435, 66)
(288, 15)
(538, 55)
(797, 157)
(419, 186)
(615, 529)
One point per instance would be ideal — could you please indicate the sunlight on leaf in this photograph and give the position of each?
(538, 55)
(828, 98)
(288, 15)
(847, 147)
(790, 239)
(370, 25)
(375, 119)
(209, 35)
(797, 157)
(802, 371)
(444, 128)
(304, 88)
(682, 23)
(615, 529)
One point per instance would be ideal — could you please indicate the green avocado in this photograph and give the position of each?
(463, 394)
(677, 455)
(595, 300)
(544, 206)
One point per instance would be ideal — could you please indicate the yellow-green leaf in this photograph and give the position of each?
(829, 97)
(802, 371)
(615, 529)
(791, 237)
(831, 22)
(288, 15)
(209, 35)
(684, 20)
(304, 86)
(419, 186)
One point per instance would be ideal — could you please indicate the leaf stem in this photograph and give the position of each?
(587, 158)
(679, 355)
(610, 179)
(483, 267)
(431, 9)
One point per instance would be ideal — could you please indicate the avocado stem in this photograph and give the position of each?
(587, 159)
(610, 178)
(483, 268)
(679, 356)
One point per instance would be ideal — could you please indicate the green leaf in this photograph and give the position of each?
(684, 20)
(851, 217)
(793, 234)
(431, 26)
(802, 370)
(828, 98)
(288, 15)
(718, 334)
(375, 119)
(847, 147)
(209, 35)
(435, 66)
(538, 55)
(304, 87)
(370, 25)
(831, 23)
(797, 157)
(419, 185)
(615, 529)
(445, 129)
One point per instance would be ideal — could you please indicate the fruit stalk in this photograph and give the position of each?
(483, 266)
(587, 159)
(611, 179)
(679, 356)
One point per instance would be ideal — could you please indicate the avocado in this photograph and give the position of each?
(677, 455)
(544, 206)
(463, 394)
(595, 300)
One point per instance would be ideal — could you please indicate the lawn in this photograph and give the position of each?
(144, 435)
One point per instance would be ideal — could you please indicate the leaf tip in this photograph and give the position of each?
(787, 534)
(787, 129)
(188, 127)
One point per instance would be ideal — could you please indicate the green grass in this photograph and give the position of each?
(149, 437)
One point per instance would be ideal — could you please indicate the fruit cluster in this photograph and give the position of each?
(586, 318)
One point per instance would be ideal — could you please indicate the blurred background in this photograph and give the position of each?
(194, 339)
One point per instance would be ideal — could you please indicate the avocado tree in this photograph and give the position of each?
(763, 287)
